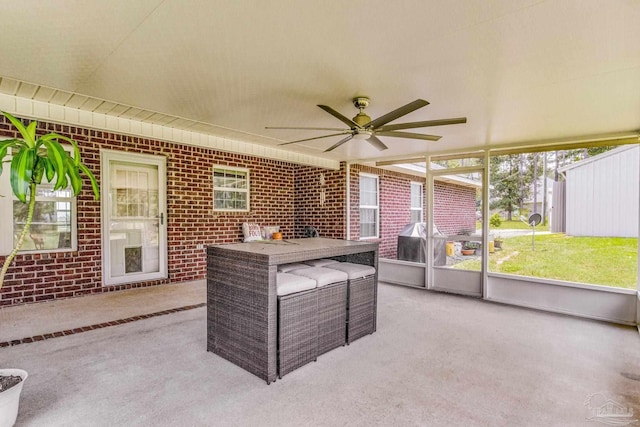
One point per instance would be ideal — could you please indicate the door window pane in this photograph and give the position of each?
(134, 223)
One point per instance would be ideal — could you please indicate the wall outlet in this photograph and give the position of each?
(199, 246)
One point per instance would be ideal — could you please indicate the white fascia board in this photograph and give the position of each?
(39, 110)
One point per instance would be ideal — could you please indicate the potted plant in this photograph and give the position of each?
(33, 159)
(497, 242)
(469, 248)
(11, 381)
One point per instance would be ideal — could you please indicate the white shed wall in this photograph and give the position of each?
(602, 196)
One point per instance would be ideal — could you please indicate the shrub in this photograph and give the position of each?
(471, 245)
(495, 220)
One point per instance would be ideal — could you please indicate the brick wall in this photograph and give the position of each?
(320, 201)
(454, 206)
(354, 196)
(281, 194)
(395, 211)
(395, 205)
(191, 221)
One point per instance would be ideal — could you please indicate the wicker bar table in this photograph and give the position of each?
(241, 294)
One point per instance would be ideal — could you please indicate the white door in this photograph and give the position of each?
(134, 226)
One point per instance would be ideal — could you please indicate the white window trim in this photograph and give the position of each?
(421, 208)
(238, 190)
(6, 211)
(376, 207)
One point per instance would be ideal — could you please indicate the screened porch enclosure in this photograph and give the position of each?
(513, 262)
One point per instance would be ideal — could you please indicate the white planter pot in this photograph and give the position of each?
(10, 399)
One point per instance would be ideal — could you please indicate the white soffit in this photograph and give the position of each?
(33, 102)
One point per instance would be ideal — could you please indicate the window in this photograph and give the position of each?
(230, 189)
(369, 212)
(416, 202)
(54, 220)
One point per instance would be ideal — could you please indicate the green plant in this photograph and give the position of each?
(471, 245)
(34, 158)
(497, 242)
(495, 220)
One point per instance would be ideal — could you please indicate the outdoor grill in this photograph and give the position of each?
(412, 242)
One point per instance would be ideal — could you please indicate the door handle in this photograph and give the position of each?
(161, 217)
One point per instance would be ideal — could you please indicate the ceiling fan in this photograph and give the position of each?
(362, 127)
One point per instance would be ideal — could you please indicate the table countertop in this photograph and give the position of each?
(290, 250)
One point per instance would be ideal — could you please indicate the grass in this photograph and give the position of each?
(608, 261)
(510, 225)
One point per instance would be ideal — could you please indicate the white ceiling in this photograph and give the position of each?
(519, 70)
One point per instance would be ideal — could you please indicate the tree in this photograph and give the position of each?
(567, 157)
(515, 176)
(510, 182)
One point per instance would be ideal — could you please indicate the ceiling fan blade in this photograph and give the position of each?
(317, 137)
(409, 135)
(412, 125)
(389, 117)
(373, 140)
(305, 128)
(340, 117)
(338, 144)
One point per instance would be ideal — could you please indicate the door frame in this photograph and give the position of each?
(106, 157)
(465, 282)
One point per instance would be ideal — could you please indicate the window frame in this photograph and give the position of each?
(7, 230)
(245, 191)
(421, 208)
(375, 208)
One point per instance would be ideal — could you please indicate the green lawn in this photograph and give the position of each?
(519, 225)
(609, 261)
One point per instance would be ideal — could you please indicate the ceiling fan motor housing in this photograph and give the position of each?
(361, 102)
(362, 119)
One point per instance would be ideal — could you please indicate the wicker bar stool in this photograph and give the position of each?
(297, 322)
(361, 299)
(332, 305)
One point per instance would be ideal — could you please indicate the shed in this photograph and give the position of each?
(602, 194)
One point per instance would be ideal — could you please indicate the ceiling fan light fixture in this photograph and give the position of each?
(362, 134)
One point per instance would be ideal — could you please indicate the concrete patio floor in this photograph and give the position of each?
(33, 320)
(436, 359)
